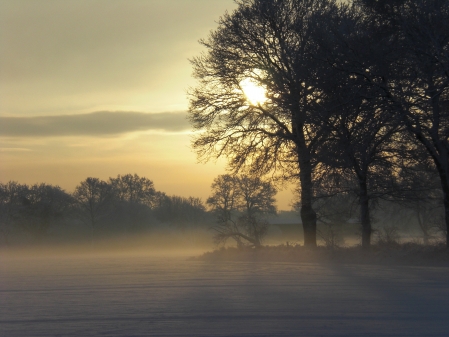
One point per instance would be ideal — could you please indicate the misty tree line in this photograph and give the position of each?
(125, 204)
(237, 209)
(356, 111)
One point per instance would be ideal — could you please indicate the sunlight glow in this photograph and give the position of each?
(254, 93)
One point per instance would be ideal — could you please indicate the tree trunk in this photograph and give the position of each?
(308, 215)
(446, 209)
(92, 222)
(442, 165)
(422, 224)
(364, 215)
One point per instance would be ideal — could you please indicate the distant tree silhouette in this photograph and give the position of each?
(134, 197)
(11, 197)
(241, 204)
(133, 189)
(43, 206)
(181, 212)
(94, 200)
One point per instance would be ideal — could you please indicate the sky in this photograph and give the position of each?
(97, 88)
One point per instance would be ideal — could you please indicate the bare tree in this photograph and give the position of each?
(363, 139)
(397, 51)
(133, 189)
(270, 45)
(256, 202)
(179, 212)
(424, 83)
(134, 199)
(93, 197)
(11, 196)
(241, 204)
(43, 206)
(224, 204)
(421, 195)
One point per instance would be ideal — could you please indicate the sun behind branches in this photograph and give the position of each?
(254, 93)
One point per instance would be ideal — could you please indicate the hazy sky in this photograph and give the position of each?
(98, 88)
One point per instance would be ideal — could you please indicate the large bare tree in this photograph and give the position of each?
(268, 46)
(364, 140)
(412, 71)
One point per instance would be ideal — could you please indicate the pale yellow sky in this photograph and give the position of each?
(78, 80)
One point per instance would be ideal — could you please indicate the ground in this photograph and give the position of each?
(148, 295)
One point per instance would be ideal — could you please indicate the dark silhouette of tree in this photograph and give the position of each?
(335, 203)
(396, 54)
(256, 202)
(362, 140)
(133, 201)
(94, 200)
(182, 213)
(42, 207)
(424, 82)
(224, 204)
(416, 80)
(421, 194)
(11, 196)
(133, 189)
(241, 204)
(272, 44)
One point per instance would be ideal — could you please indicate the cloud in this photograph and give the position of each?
(14, 149)
(69, 55)
(102, 123)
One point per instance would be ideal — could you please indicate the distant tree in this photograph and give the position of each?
(134, 197)
(11, 197)
(179, 211)
(133, 189)
(224, 201)
(43, 206)
(93, 198)
(241, 204)
(255, 203)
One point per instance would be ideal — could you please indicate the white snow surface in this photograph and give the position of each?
(168, 296)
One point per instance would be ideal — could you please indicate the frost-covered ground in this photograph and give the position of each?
(167, 296)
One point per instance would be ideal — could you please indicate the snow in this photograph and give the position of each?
(171, 296)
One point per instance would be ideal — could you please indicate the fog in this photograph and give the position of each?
(157, 293)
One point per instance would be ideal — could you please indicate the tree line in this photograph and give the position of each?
(124, 204)
(357, 102)
(128, 204)
(238, 209)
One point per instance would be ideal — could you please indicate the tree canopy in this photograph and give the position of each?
(339, 85)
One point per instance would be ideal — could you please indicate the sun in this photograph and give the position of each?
(254, 93)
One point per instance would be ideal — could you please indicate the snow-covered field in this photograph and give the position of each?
(171, 296)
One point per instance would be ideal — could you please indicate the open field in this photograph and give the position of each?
(147, 295)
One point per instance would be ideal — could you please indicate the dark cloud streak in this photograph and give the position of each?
(102, 123)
